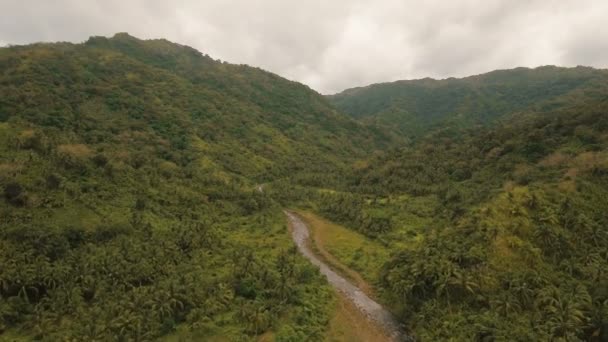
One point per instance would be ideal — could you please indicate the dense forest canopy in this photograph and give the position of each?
(518, 233)
(417, 106)
(493, 228)
(128, 170)
(131, 207)
(248, 121)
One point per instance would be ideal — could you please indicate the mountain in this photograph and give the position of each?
(245, 120)
(416, 106)
(128, 170)
(492, 229)
(143, 185)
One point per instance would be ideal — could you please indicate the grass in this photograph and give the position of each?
(345, 249)
(348, 324)
(14, 336)
(342, 249)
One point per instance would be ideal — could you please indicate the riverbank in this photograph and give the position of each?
(367, 308)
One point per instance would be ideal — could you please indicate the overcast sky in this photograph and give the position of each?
(331, 45)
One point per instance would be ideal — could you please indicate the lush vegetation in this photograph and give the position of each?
(129, 172)
(513, 232)
(416, 106)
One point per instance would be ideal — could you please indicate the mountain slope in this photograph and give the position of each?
(246, 120)
(416, 106)
(129, 210)
(494, 228)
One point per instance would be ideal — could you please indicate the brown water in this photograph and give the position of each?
(370, 308)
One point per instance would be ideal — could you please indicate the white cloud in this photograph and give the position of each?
(332, 45)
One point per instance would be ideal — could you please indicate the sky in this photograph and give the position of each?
(332, 45)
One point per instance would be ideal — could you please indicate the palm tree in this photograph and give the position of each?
(464, 281)
(566, 317)
(505, 305)
(565, 313)
(545, 235)
(162, 305)
(598, 316)
(442, 286)
(259, 319)
(549, 217)
(597, 235)
(523, 292)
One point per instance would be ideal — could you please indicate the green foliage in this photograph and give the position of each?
(519, 230)
(489, 225)
(418, 106)
(128, 209)
(184, 106)
(349, 209)
(131, 209)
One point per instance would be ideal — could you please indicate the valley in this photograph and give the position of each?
(367, 306)
(151, 192)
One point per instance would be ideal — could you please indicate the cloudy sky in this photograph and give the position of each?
(336, 44)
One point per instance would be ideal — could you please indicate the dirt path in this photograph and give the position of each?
(367, 306)
(318, 245)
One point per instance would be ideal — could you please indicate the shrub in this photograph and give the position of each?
(14, 194)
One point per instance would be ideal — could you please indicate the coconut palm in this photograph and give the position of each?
(522, 291)
(565, 312)
(463, 281)
(505, 305)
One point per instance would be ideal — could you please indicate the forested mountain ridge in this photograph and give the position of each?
(417, 106)
(493, 228)
(129, 209)
(251, 122)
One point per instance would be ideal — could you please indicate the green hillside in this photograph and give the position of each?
(128, 171)
(131, 209)
(416, 106)
(492, 231)
(247, 121)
